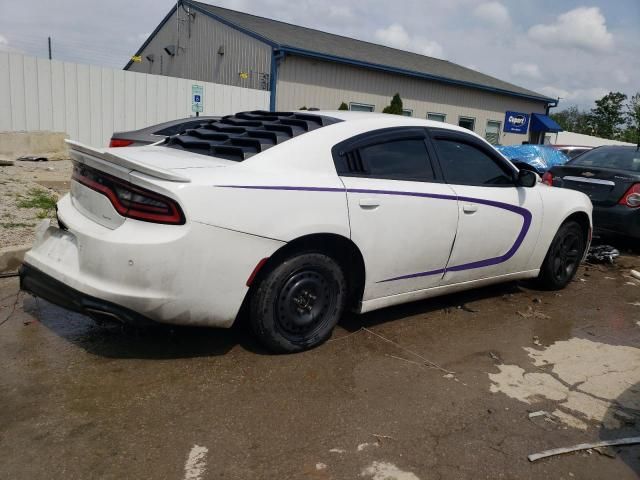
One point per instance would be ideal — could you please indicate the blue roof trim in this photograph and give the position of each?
(220, 19)
(543, 123)
(153, 34)
(410, 73)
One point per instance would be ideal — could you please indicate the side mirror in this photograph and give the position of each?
(526, 178)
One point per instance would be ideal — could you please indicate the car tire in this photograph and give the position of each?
(564, 257)
(298, 302)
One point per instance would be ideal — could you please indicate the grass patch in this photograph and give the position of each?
(38, 198)
(16, 225)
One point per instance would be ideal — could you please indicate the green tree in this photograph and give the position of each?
(574, 120)
(609, 115)
(343, 106)
(395, 107)
(632, 133)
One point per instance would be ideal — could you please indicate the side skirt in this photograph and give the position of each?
(382, 302)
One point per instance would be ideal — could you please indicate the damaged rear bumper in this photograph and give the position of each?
(45, 286)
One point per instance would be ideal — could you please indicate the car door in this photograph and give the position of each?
(498, 221)
(402, 216)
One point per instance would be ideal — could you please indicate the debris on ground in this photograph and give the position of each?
(536, 341)
(635, 274)
(539, 413)
(32, 158)
(467, 309)
(530, 312)
(6, 163)
(602, 254)
(426, 361)
(583, 446)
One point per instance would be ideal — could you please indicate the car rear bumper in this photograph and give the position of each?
(618, 219)
(192, 274)
(45, 286)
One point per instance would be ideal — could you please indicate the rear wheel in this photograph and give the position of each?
(297, 303)
(564, 256)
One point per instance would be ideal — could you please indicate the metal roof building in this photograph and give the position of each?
(303, 67)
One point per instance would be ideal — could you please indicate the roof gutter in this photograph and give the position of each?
(385, 68)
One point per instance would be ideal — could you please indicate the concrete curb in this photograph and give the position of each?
(11, 257)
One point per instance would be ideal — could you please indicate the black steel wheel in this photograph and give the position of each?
(297, 303)
(564, 256)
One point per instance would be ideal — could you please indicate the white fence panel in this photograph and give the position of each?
(89, 103)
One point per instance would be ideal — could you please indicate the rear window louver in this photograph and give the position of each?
(240, 136)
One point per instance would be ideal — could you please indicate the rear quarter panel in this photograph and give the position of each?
(558, 204)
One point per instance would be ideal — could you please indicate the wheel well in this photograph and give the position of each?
(340, 248)
(583, 220)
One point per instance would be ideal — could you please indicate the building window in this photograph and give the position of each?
(407, 112)
(360, 107)
(467, 122)
(492, 132)
(436, 117)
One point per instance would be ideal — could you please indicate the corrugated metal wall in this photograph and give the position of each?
(198, 56)
(315, 83)
(89, 103)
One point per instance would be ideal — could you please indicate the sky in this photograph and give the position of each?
(575, 50)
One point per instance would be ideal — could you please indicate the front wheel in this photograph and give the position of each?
(563, 258)
(297, 304)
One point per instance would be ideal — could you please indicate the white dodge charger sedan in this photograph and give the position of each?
(294, 218)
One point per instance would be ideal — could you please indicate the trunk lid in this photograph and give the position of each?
(604, 186)
(166, 164)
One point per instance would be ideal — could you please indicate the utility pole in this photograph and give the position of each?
(49, 40)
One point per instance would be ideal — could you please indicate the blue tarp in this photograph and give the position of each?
(543, 123)
(540, 157)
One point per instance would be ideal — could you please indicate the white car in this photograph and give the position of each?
(297, 217)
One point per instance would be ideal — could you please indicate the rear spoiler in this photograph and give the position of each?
(77, 151)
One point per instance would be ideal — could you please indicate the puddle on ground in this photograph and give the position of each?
(591, 381)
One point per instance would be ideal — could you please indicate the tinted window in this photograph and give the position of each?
(400, 159)
(464, 164)
(618, 158)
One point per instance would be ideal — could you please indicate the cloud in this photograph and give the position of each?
(494, 13)
(526, 70)
(396, 36)
(5, 46)
(583, 27)
(620, 76)
(340, 11)
(580, 96)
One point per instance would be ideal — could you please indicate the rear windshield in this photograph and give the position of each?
(617, 158)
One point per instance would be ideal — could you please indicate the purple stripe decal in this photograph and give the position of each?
(526, 224)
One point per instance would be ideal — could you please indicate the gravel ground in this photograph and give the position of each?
(18, 183)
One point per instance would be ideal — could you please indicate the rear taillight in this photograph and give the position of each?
(119, 142)
(130, 200)
(547, 178)
(632, 197)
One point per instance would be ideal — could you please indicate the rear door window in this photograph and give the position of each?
(398, 159)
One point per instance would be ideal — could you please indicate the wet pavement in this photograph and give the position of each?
(439, 389)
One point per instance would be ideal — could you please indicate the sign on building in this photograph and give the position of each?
(516, 122)
(197, 98)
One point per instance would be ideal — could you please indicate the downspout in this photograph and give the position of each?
(276, 56)
(548, 107)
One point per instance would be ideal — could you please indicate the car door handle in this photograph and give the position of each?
(469, 208)
(369, 203)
